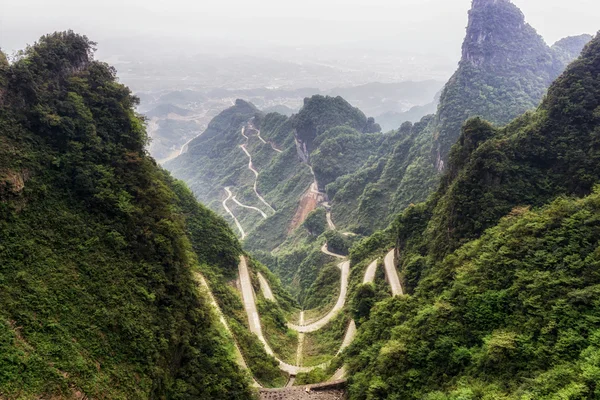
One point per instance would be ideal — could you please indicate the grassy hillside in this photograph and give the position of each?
(97, 297)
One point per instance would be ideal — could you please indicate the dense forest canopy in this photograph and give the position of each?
(503, 297)
(97, 296)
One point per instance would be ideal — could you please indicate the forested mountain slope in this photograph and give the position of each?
(97, 296)
(505, 70)
(504, 298)
(280, 173)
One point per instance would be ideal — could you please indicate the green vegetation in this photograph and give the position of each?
(273, 315)
(97, 294)
(282, 340)
(499, 77)
(504, 297)
(323, 293)
(317, 375)
(316, 222)
(338, 243)
(341, 151)
(323, 345)
(321, 113)
(518, 318)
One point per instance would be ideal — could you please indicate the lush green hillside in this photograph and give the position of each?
(504, 300)
(97, 296)
(321, 113)
(399, 174)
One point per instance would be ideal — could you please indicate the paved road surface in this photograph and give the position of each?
(243, 133)
(315, 326)
(351, 331)
(370, 273)
(251, 168)
(254, 320)
(260, 137)
(238, 354)
(300, 349)
(185, 147)
(236, 201)
(330, 221)
(392, 274)
(237, 223)
(275, 148)
(349, 337)
(266, 289)
(325, 249)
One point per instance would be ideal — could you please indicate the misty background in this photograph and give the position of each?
(189, 60)
(407, 25)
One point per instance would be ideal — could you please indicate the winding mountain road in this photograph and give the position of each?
(249, 298)
(330, 221)
(275, 148)
(260, 137)
(351, 331)
(199, 278)
(251, 168)
(325, 249)
(185, 147)
(315, 326)
(300, 350)
(265, 287)
(254, 319)
(370, 273)
(236, 201)
(391, 274)
(244, 133)
(237, 223)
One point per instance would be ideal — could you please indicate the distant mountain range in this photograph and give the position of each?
(169, 134)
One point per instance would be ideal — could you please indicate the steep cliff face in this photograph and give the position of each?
(498, 36)
(504, 71)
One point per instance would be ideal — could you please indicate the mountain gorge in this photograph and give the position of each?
(364, 176)
(455, 257)
(505, 70)
(490, 176)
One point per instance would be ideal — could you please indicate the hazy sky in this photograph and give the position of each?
(427, 25)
